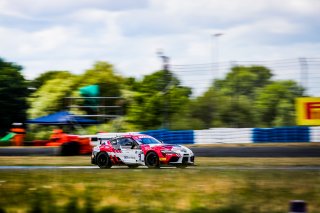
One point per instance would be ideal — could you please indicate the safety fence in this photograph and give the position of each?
(238, 135)
(232, 135)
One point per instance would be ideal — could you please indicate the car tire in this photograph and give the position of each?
(152, 160)
(103, 160)
(133, 166)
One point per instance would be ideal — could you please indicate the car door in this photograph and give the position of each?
(129, 155)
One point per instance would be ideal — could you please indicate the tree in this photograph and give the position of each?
(102, 74)
(275, 103)
(156, 95)
(247, 97)
(44, 77)
(237, 112)
(110, 84)
(206, 108)
(13, 93)
(244, 80)
(213, 109)
(49, 97)
(56, 85)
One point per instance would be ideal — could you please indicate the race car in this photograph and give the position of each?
(136, 150)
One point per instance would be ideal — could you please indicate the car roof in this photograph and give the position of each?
(134, 136)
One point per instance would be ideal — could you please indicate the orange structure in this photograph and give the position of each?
(19, 136)
(70, 144)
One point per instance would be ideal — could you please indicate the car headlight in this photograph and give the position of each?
(165, 152)
(183, 150)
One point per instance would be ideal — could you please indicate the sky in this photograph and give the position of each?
(74, 34)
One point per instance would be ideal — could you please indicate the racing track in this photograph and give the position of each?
(249, 151)
(29, 151)
(289, 168)
(261, 151)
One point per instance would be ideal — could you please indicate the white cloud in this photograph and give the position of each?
(46, 41)
(72, 35)
(301, 7)
(58, 7)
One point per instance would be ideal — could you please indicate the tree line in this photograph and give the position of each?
(246, 97)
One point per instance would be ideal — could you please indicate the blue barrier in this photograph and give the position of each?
(158, 134)
(281, 134)
(172, 137)
(259, 135)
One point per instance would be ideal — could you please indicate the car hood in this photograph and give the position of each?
(170, 147)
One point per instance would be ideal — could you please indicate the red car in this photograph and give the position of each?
(140, 150)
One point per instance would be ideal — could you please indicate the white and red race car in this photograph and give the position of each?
(140, 150)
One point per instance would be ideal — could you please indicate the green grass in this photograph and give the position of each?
(200, 161)
(164, 190)
(257, 162)
(269, 144)
(44, 161)
(173, 190)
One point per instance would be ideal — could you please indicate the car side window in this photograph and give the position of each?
(113, 142)
(126, 143)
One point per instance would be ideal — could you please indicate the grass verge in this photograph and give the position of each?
(274, 144)
(200, 161)
(162, 190)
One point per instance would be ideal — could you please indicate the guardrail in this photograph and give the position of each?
(281, 134)
(238, 135)
(234, 135)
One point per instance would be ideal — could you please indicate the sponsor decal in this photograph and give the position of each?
(128, 157)
(162, 159)
(308, 111)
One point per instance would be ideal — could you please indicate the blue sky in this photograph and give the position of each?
(72, 35)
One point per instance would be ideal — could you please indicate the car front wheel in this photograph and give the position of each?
(152, 160)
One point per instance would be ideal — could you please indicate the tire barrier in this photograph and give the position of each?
(315, 134)
(223, 135)
(234, 135)
(281, 134)
(172, 137)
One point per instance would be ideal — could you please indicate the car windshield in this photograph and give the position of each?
(148, 140)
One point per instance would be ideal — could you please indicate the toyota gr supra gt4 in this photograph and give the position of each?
(140, 150)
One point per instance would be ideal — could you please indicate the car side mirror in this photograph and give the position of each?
(101, 142)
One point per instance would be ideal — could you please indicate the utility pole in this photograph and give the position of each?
(304, 73)
(166, 107)
(215, 53)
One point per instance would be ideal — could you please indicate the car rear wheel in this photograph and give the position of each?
(152, 160)
(103, 161)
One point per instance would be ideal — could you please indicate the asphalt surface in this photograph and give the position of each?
(268, 151)
(252, 151)
(29, 151)
(289, 168)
